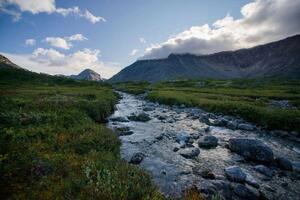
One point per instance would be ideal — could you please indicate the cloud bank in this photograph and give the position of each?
(53, 62)
(262, 21)
(45, 6)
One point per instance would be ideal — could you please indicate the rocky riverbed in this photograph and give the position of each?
(187, 147)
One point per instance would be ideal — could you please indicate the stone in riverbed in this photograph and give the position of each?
(119, 119)
(142, 117)
(219, 122)
(235, 174)
(207, 174)
(296, 166)
(182, 138)
(246, 127)
(251, 181)
(137, 158)
(189, 152)
(244, 192)
(204, 118)
(264, 170)
(252, 149)
(232, 125)
(124, 131)
(284, 163)
(208, 142)
(175, 149)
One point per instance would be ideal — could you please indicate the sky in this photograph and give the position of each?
(67, 36)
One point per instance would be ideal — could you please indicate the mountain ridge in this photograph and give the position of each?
(276, 59)
(5, 62)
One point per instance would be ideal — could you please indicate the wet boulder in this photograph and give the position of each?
(235, 174)
(137, 158)
(246, 127)
(296, 166)
(219, 122)
(142, 117)
(252, 149)
(232, 125)
(204, 118)
(208, 142)
(207, 174)
(250, 180)
(124, 131)
(264, 170)
(284, 163)
(182, 138)
(189, 152)
(244, 192)
(162, 117)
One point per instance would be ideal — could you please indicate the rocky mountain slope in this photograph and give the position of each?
(276, 59)
(5, 62)
(88, 74)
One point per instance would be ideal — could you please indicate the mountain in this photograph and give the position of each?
(88, 75)
(276, 59)
(5, 62)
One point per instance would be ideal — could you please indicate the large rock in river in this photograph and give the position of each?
(208, 141)
(137, 158)
(252, 149)
(189, 152)
(235, 174)
(142, 117)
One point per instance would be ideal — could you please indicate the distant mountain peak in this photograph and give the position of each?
(89, 75)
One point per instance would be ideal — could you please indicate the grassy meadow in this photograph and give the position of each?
(249, 99)
(53, 144)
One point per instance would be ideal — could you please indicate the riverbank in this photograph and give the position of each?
(54, 143)
(271, 104)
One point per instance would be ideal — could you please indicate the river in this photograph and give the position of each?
(172, 173)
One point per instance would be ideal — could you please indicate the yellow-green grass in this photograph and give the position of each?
(133, 87)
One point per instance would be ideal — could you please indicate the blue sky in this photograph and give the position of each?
(117, 41)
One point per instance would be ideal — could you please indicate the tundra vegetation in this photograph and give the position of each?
(270, 103)
(53, 144)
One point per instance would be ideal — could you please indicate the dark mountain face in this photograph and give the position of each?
(276, 59)
(87, 74)
(5, 62)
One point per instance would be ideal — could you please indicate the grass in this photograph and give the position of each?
(133, 87)
(53, 144)
(246, 98)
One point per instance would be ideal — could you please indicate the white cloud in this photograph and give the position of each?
(67, 11)
(30, 42)
(142, 40)
(76, 37)
(53, 62)
(92, 18)
(44, 6)
(58, 42)
(64, 43)
(34, 6)
(262, 21)
(134, 52)
(50, 57)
